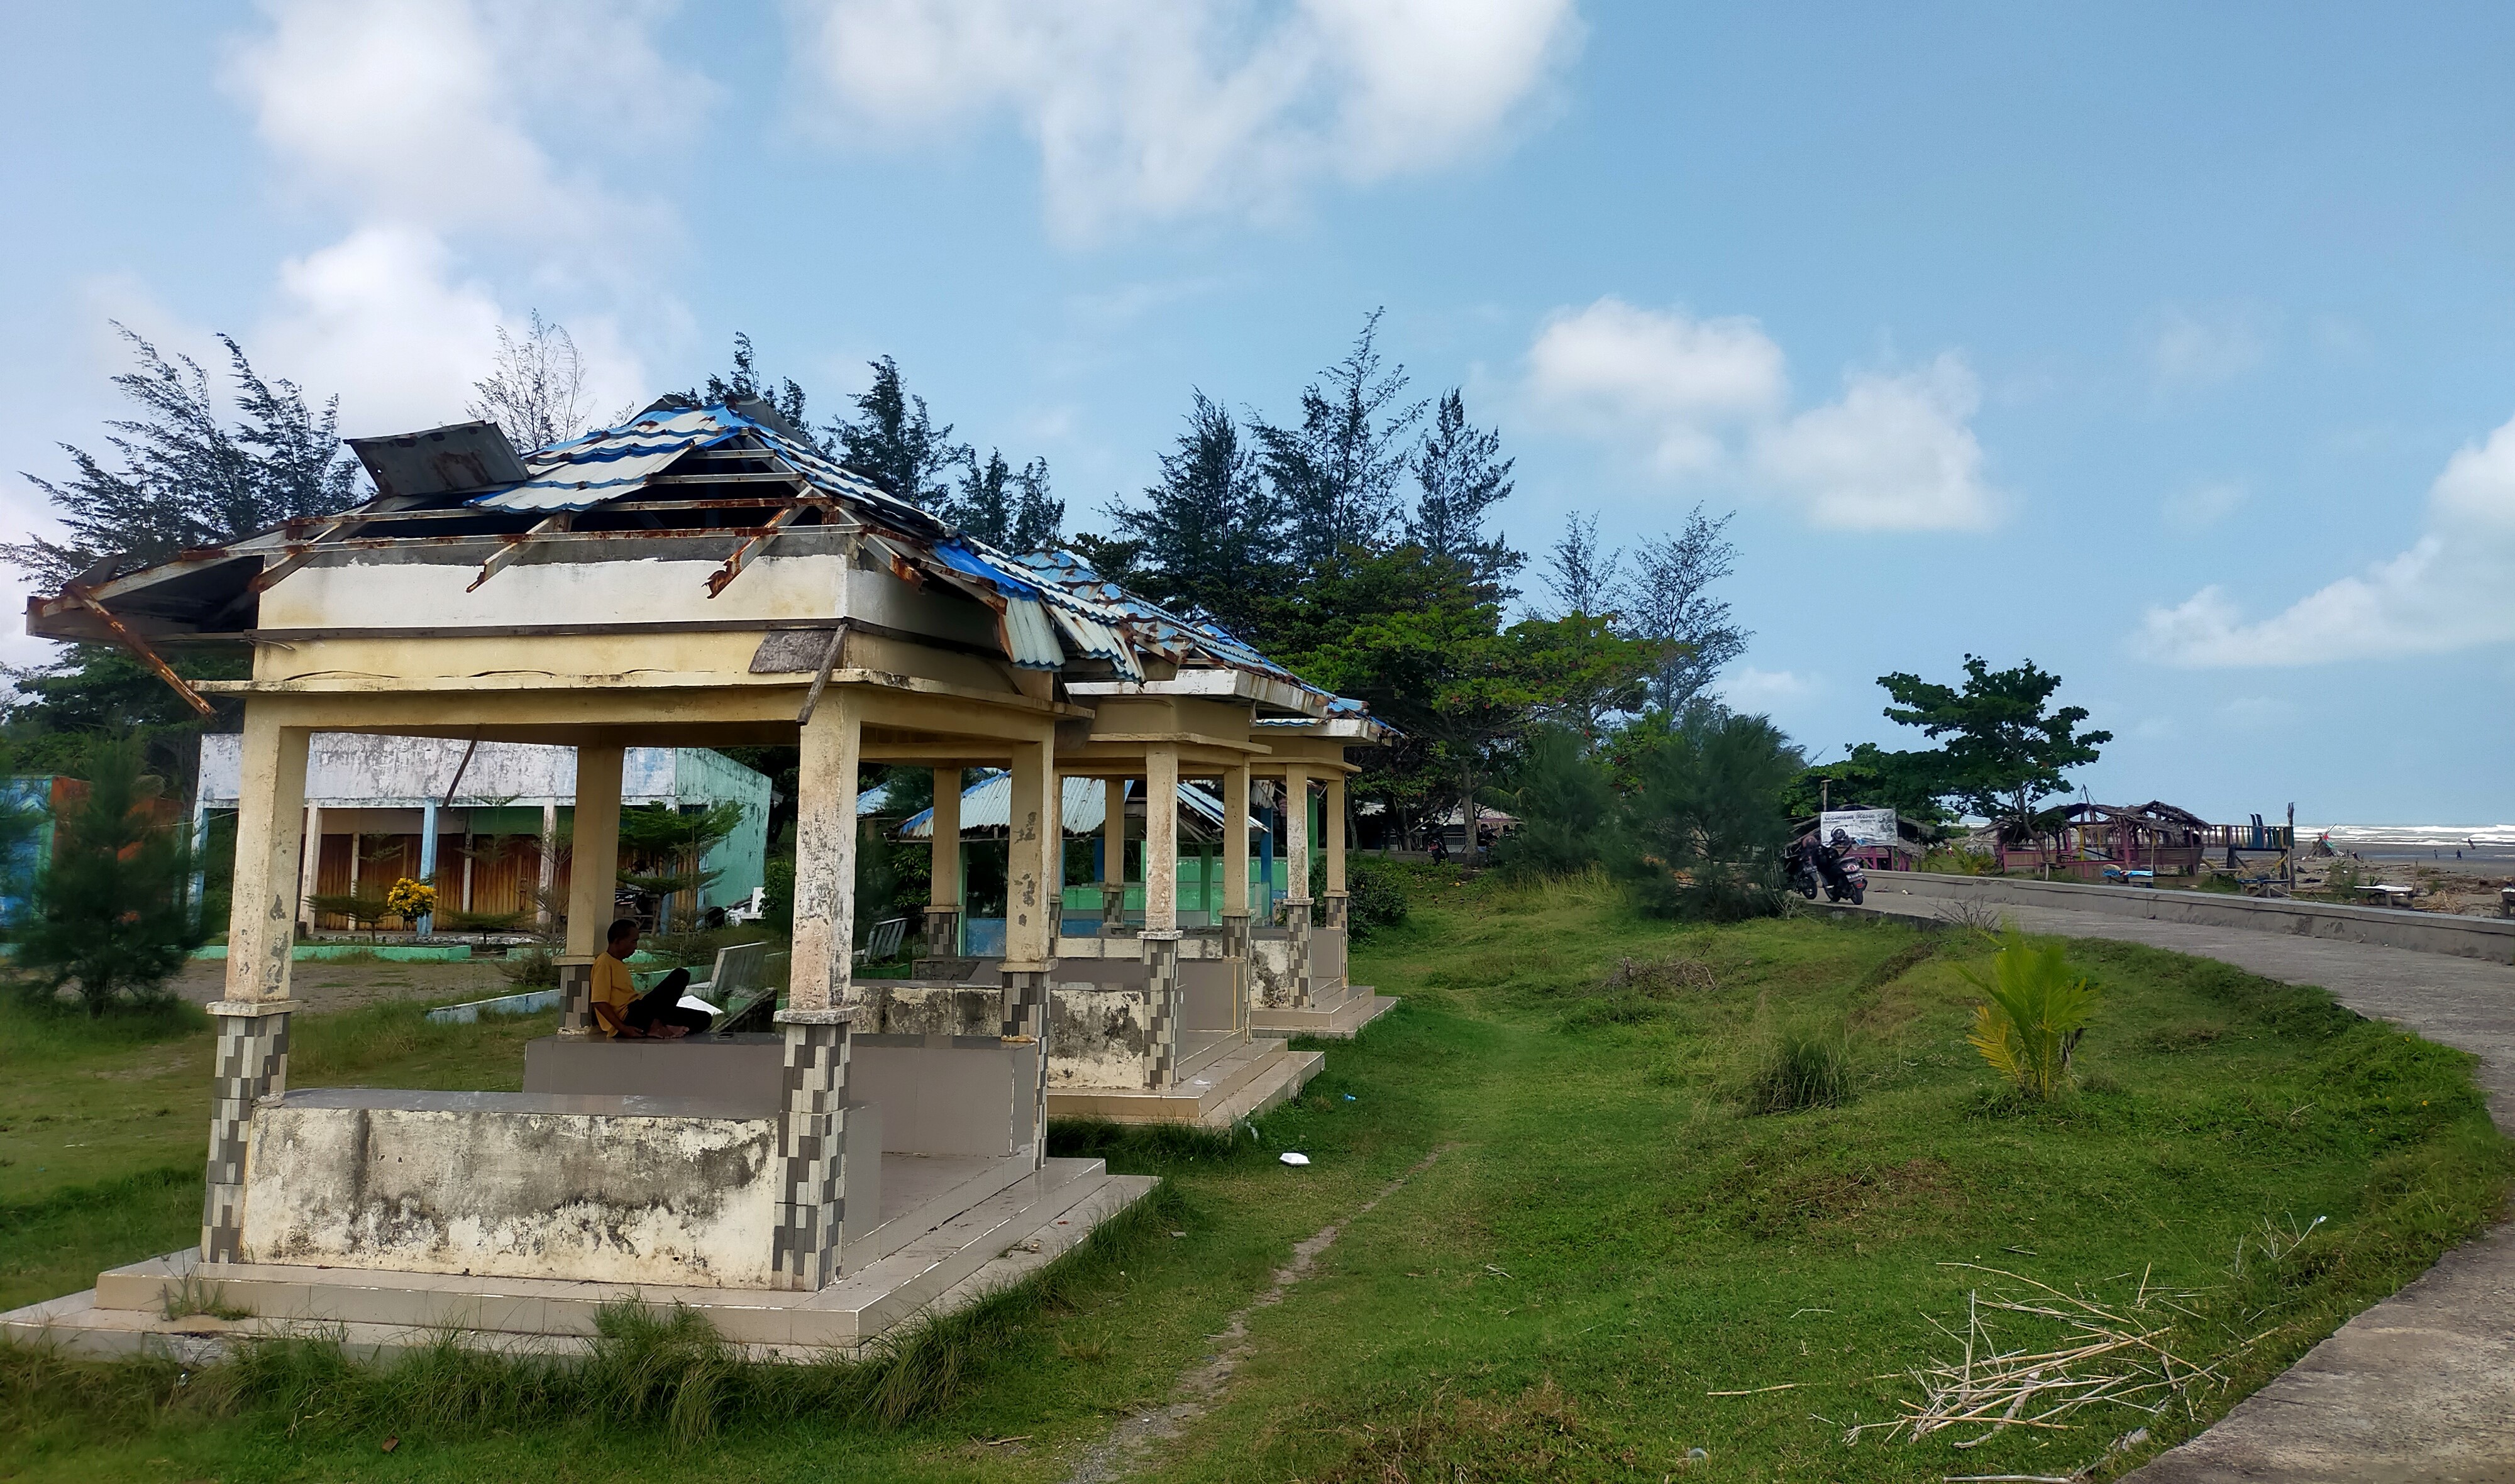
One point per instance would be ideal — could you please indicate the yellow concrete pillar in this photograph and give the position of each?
(1113, 832)
(943, 900)
(271, 824)
(1033, 871)
(1334, 811)
(1235, 840)
(1113, 857)
(825, 853)
(1296, 833)
(1161, 840)
(309, 864)
(593, 878)
(251, 1061)
(594, 851)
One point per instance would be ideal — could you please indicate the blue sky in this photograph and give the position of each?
(2172, 346)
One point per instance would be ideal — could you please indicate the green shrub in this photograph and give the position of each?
(1375, 899)
(2029, 1027)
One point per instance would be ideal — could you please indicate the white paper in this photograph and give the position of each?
(1296, 1158)
(693, 1001)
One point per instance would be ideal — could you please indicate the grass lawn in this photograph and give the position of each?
(1607, 1235)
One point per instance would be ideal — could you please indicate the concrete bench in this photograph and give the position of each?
(2390, 895)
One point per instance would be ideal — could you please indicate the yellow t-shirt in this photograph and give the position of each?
(614, 987)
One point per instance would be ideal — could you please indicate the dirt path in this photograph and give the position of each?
(2421, 1388)
(1131, 1443)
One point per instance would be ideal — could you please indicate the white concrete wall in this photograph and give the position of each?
(604, 1197)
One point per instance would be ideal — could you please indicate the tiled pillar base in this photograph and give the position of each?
(942, 932)
(576, 999)
(1235, 935)
(1113, 912)
(1297, 918)
(1026, 1020)
(812, 1146)
(252, 1064)
(1162, 996)
(1336, 909)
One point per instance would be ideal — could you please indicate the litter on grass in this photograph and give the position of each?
(2108, 1355)
(1290, 1158)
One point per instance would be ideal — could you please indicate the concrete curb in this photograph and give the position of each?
(2469, 937)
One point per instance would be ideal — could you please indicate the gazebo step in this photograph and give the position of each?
(1342, 1023)
(1255, 1076)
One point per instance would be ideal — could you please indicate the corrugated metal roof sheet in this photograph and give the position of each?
(1029, 638)
(1090, 636)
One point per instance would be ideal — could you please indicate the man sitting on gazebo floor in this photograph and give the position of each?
(625, 1014)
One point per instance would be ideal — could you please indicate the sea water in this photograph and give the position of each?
(2486, 848)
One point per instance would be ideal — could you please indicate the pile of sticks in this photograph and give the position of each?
(2107, 1356)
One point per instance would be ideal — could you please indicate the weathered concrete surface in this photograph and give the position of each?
(2475, 937)
(1099, 1037)
(2421, 1388)
(493, 1185)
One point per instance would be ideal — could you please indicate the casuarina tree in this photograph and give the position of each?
(1207, 532)
(1337, 471)
(896, 443)
(111, 915)
(1460, 475)
(1667, 600)
(186, 476)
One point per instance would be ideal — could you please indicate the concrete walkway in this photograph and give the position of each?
(2421, 1388)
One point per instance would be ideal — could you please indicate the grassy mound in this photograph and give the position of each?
(1675, 1162)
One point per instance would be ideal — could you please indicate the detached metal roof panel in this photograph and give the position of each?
(1090, 636)
(1029, 638)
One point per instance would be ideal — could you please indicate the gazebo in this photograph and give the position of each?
(701, 576)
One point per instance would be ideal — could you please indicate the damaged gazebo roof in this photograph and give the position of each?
(733, 476)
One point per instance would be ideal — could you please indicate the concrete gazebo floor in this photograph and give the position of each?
(953, 1230)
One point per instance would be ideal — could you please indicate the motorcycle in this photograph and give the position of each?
(1815, 866)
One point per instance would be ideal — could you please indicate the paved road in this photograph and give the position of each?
(2421, 1388)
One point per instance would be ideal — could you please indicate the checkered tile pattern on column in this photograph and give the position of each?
(1336, 904)
(812, 1146)
(1297, 918)
(1162, 994)
(1235, 935)
(1026, 1003)
(1026, 1012)
(1113, 911)
(575, 999)
(252, 1063)
(942, 932)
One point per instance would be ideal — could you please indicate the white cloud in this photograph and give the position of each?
(1680, 384)
(1896, 454)
(2204, 505)
(2188, 350)
(383, 318)
(2453, 588)
(426, 121)
(1158, 109)
(1748, 688)
(1699, 396)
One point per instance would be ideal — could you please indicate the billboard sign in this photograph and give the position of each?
(1866, 827)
